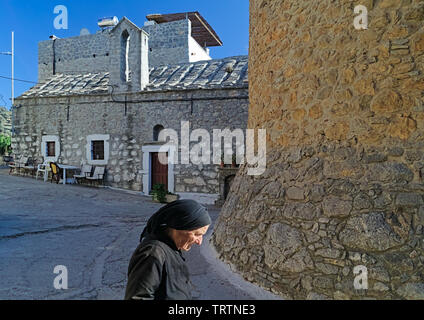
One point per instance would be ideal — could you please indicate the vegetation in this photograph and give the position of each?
(159, 192)
(5, 144)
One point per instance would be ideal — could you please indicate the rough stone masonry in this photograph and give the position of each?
(5, 121)
(81, 94)
(344, 184)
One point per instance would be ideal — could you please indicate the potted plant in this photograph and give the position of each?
(159, 193)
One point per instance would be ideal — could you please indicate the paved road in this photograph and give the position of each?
(93, 232)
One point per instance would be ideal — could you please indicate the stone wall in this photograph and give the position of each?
(75, 55)
(137, 58)
(129, 130)
(5, 121)
(169, 42)
(344, 184)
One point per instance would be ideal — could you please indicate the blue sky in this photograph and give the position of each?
(32, 21)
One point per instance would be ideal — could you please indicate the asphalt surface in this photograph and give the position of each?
(92, 232)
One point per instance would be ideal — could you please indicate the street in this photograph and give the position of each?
(92, 232)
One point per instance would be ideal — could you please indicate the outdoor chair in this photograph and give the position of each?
(22, 164)
(55, 172)
(18, 165)
(44, 168)
(85, 172)
(98, 175)
(13, 164)
(30, 166)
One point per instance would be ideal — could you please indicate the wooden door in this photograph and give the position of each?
(159, 171)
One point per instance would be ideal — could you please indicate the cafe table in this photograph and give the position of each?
(64, 168)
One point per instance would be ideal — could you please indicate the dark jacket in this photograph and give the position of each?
(157, 271)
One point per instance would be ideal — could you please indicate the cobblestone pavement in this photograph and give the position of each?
(93, 232)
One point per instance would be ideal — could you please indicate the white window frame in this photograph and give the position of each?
(44, 141)
(89, 154)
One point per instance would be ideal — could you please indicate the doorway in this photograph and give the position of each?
(159, 170)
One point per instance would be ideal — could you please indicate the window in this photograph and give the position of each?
(156, 131)
(51, 149)
(98, 150)
(125, 51)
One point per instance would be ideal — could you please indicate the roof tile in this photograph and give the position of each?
(219, 73)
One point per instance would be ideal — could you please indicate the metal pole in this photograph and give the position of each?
(13, 60)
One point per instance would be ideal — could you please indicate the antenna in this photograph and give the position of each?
(13, 69)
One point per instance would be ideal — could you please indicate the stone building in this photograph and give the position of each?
(344, 186)
(102, 99)
(5, 121)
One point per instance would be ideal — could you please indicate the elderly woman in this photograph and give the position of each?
(157, 269)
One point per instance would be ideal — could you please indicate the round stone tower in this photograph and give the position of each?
(339, 211)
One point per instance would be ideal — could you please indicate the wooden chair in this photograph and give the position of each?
(55, 172)
(85, 172)
(98, 175)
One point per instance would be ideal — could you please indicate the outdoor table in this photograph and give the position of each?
(64, 168)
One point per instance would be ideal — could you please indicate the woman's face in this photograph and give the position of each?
(185, 239)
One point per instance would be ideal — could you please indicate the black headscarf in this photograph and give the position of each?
(179, 215)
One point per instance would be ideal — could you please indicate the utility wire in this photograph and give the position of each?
(17, 79)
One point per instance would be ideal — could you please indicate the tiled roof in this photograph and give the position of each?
(64, 85)
(219, 73)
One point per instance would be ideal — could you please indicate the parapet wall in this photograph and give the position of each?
(169, 42)
(76, 55)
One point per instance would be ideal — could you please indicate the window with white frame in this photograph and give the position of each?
(97, 149)
(50, 148)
